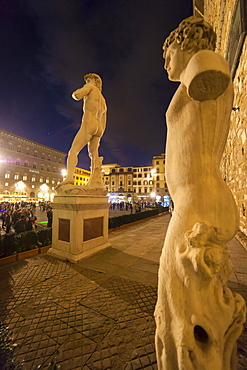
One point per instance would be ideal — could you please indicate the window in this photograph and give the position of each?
(41, 179)
(113, 183)
(49, 157)
(53, 181)
(121, 183)
(129, 169)
(33, 178)
(121, 170)
(18, 162)
(150, 182)
(19, 149)
(48, 168)
(59, 160)
(43, 155)
(24, 178)
(6, 184)
(35, 153)
(135, 175)
(157, 185)
(10, 146)
(129, 182)
(113, 170)
(157, 170)
(27, 150)
(42, 167)
(47, 181)
(145, 190)
(157, 178)
(134, 170)
(139, 174)
(134, 182)
(7, 175)
(139, 190)
(25, 164)
(1, 144)
(145, 182)
(145, 169)
(54, 169)
(139, 182)
(16, 176)
(157, 162)
(34, 165)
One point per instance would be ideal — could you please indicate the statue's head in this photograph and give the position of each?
(192, 34)
(96, 78)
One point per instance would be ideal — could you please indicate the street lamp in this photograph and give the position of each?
(44, 192)
(64, 173)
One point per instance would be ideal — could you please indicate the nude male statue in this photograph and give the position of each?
(92, 127)
(194, 264)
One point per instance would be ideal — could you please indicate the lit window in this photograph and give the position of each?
(33, 186)
(33, 178)
(16, 176)
(24, 178)
(41, 179)
(47, 181)
(6, 184)
(7, 175)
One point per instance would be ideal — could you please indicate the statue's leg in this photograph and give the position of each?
(96, 180)
(81, 139)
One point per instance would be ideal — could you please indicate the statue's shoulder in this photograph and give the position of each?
(207, 75)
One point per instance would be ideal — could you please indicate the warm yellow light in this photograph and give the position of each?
(153, 195)
(44, 188)
(20, 185)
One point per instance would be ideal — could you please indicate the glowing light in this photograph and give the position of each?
(20, 185)
(44, 188)
(64, 172)
(152, 195)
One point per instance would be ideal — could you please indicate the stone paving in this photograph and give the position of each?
(96, 314)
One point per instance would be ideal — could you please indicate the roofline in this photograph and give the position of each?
(34, 142)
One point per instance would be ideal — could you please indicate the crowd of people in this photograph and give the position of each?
(21, 216)
(127, 206)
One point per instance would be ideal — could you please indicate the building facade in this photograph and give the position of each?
(81, 176)
(136, 183)
(159, 179)
(28, 170)
(229, 20)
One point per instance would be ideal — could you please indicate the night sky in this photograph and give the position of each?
(47, 46)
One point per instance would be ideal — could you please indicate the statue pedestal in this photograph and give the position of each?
(80, 226)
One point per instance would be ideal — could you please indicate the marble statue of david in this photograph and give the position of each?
(92, 128)
(198, 318)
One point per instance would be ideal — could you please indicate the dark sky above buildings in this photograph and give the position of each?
(48, 46)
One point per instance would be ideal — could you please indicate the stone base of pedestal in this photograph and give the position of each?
(80, 226)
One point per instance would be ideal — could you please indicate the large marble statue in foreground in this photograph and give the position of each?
(92, 128)
(198, 318)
